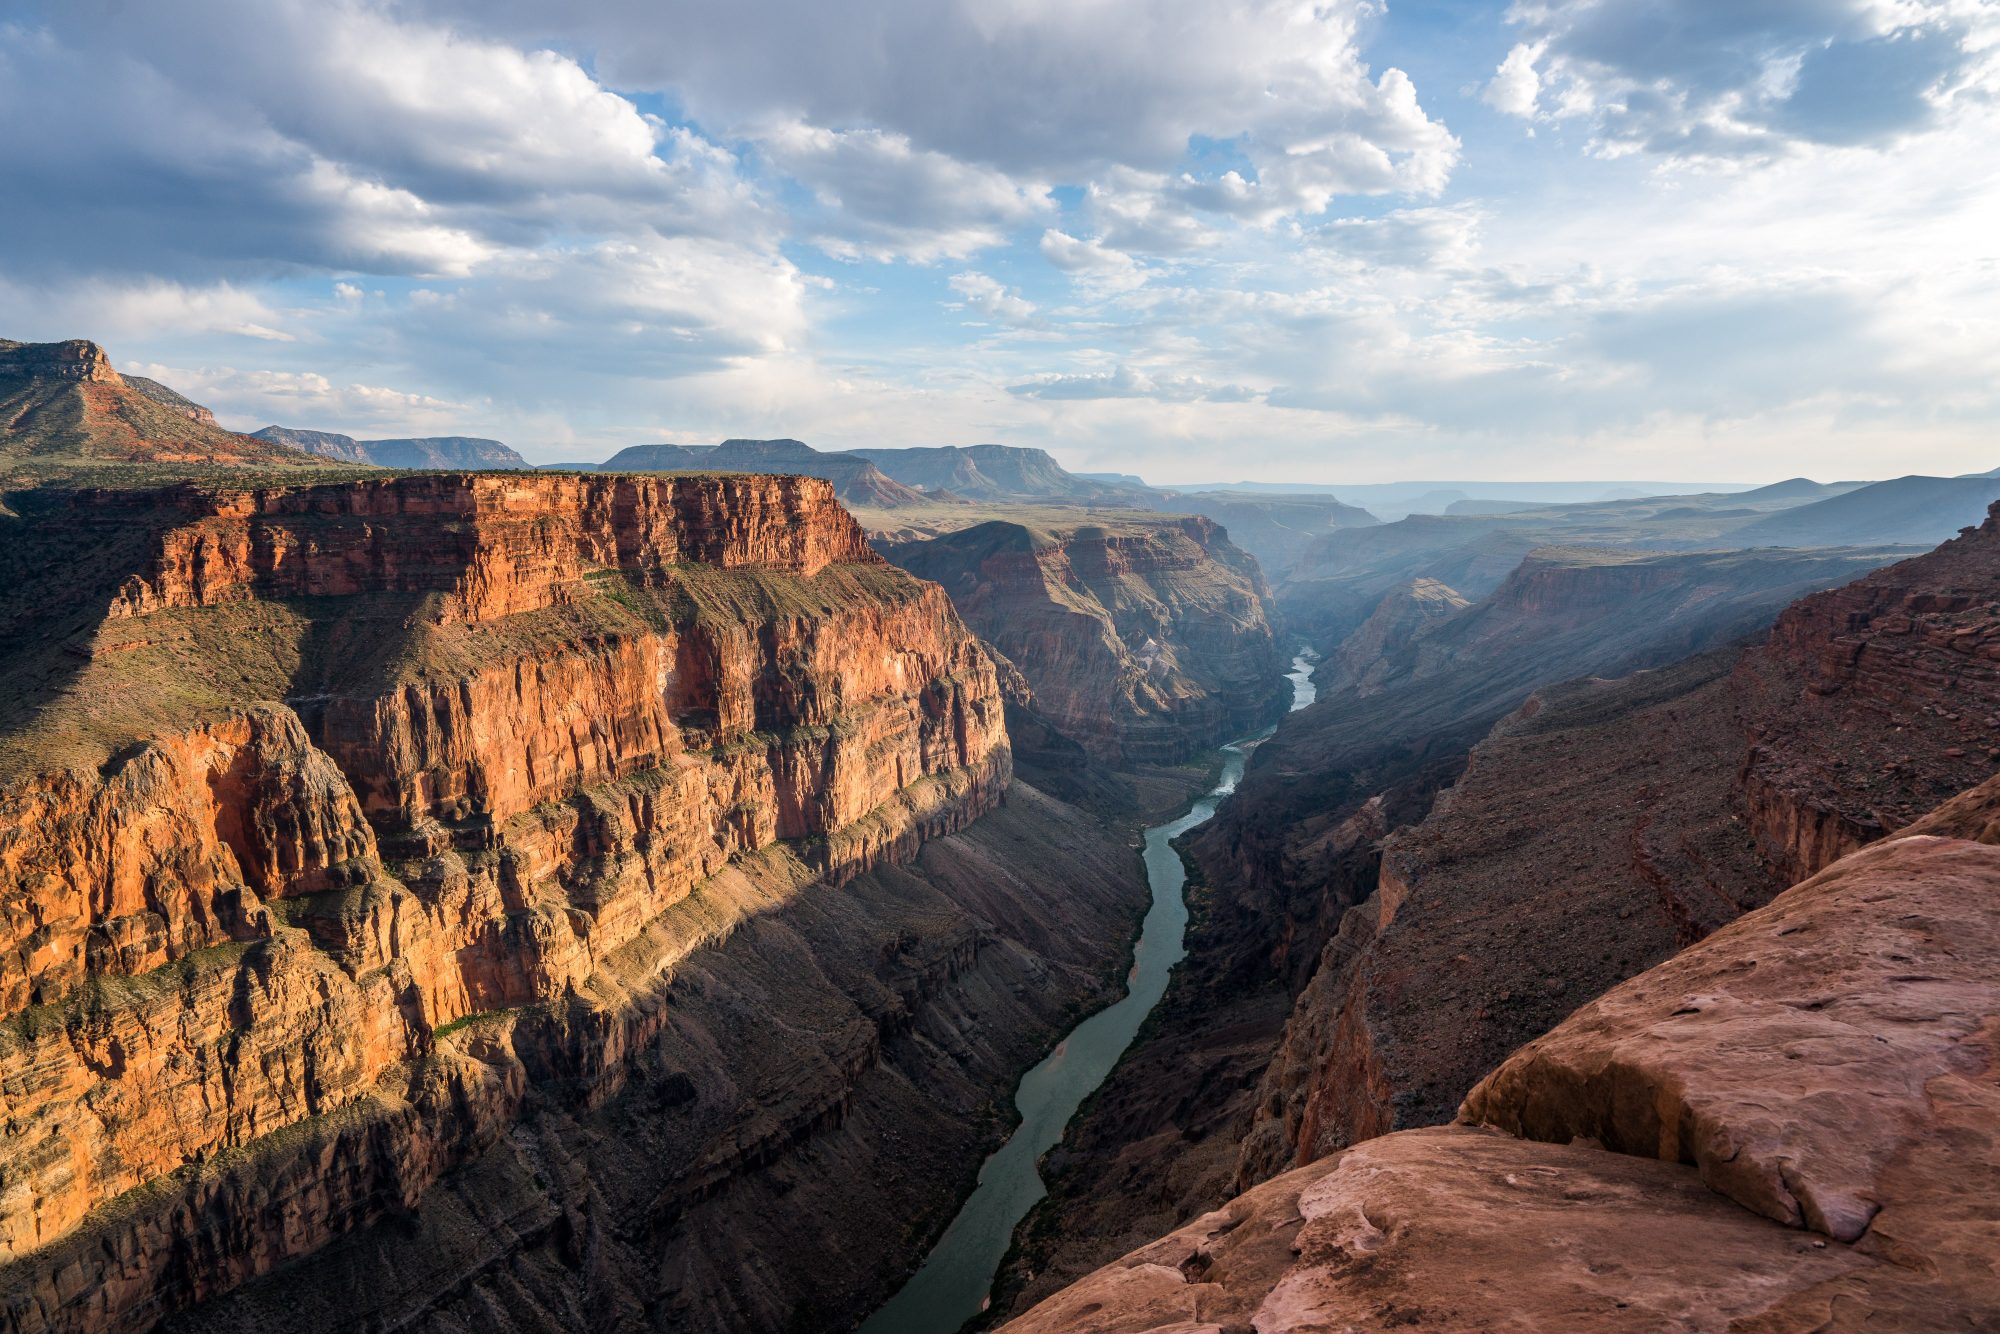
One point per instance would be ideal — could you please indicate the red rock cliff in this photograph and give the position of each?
(336, 768)
(1146, 638)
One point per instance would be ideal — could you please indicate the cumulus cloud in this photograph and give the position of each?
(108, 308)
(1042, 90)
(217, 137)
(1692, 78)
(640, 307)
(1516, 88)
(1420, 238)
(1095, 266)
(988, 297)
(255, 398)
(890, 199)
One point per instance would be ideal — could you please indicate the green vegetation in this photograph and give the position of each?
(468, 1020)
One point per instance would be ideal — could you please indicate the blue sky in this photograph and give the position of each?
(1338, 241)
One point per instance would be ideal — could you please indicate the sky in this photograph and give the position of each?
(1199, 240)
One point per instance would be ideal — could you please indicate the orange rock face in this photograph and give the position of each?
(518, 720)
(492, 545)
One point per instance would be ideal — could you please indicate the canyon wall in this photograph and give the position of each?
(1794, 1124)
(1146, 638)
(343, 826)
(1672, 801)
(1306, 1018)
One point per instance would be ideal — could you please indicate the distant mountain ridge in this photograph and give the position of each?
(167, 398)
(467, 452)
(995, 472)
(855, 479)
(1910, 510)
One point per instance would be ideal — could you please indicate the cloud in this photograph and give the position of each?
(214, 139)
(889, 199)
(1096, 266)
(111, 308)
(1696, 79)
(1040, 90)
(640, 307)
(1421, 238)
(1515, 87)
(256, 398)
(1127, 382)
(989, 298)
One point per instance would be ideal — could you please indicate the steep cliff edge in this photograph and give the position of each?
(1874, 701)
(1146, 638)
(1792, 1125)
(341, 823)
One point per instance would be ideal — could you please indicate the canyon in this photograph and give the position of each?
(1259, 1044)
(1605, 827)
(363, 836)
(595, 898)
(1641, 1166)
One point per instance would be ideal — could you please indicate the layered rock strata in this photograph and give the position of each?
(1794, 1124)
(1147, 639)
(824, 1077)
(336, 771)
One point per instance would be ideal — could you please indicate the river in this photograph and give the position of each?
(956, 1277)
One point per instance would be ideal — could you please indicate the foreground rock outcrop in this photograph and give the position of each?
(1146, 638)
(341, 826)
(1795, 1124)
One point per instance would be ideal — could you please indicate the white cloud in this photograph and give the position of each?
(108, 309)
(1096, 266)
(893, 200)
(988, 297)
(252, 138)
(1516, 88)
(1130, 382)
(1041, 90)
(1697, 79)
(254, 398)
(1408, 238)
